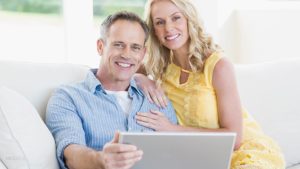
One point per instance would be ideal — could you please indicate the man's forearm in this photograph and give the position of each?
(81, 157)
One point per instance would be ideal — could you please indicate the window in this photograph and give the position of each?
(103, 8)
(56, 30)
(32, 30)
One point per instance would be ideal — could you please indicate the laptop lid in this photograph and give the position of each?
(182, 150)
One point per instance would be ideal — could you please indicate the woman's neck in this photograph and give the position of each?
(181, 58)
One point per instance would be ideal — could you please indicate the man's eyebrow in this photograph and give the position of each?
(135, 45)
(131, 44)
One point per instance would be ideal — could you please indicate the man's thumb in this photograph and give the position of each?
(116, 137)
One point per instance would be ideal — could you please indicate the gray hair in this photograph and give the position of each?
(122, 15)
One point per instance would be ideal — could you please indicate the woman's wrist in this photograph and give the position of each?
(175, 127)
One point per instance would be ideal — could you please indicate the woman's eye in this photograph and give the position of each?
(159, 22)
(175, 18)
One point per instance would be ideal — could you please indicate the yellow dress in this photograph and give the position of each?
(196, 105)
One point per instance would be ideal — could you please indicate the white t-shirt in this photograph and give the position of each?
(123, 99)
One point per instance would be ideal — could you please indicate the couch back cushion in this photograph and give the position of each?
(25, 141)
(36, 81)
(270, 92)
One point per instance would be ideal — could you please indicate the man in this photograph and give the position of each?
(84, 118)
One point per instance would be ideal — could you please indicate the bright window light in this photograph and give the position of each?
(32, 31)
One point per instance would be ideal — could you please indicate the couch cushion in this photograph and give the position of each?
(270, 92)
(25, 140)
(294, 167)
(36, 81)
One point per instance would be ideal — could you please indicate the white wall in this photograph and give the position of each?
(252, 31)
(268, 34)
(261, 31)
(208, 11)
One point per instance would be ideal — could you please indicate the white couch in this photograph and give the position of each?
(270, 92)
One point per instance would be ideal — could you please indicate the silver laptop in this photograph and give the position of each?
(182, 150)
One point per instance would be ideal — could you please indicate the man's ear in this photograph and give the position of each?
(144, 52)
(100, 46)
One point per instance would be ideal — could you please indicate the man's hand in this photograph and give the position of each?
(113, 156)
(120, 156)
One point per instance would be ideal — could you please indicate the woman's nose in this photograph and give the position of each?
(169, 26)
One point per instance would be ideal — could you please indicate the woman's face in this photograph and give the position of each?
(170, 25)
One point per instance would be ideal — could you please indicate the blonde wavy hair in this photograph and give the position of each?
(200, 48)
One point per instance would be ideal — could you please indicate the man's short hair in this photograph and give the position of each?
(122, 15)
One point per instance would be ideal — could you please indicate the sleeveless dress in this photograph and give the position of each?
(195, 104)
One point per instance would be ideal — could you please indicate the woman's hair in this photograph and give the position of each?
(201, 44)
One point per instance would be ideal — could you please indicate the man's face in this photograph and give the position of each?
(123, 50)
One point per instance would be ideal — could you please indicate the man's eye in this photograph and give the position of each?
(136, 48)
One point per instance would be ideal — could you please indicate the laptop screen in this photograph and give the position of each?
(182, 150)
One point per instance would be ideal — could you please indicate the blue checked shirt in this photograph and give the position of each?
(85, 114)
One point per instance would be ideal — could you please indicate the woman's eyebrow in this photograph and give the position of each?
(169, 15)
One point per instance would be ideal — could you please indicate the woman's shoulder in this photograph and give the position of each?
(223, 72)
(223, 65)
(217, 66)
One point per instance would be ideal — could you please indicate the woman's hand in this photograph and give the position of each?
(154, 93)
(155, 120)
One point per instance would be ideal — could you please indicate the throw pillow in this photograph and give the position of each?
(25, 141)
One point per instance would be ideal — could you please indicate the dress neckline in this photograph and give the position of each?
(181, 69)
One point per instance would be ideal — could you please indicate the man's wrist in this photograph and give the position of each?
(99, 159)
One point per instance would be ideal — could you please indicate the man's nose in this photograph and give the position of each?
(126, 52)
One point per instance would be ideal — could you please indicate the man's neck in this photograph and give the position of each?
(109, 83)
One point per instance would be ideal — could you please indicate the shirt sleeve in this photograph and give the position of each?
(64, 123)
(170, 113)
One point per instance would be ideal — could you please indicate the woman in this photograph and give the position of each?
(200, 83)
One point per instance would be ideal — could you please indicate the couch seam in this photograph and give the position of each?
(293, 165)
(5, 121)
(2, 160)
